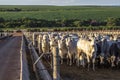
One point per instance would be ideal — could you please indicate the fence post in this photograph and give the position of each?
(34, 36)
(56, 64)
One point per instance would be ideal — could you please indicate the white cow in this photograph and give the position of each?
(62, 49)
(89, 48)
(72, 50)
(45, 44)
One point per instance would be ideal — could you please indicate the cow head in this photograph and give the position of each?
(68, 42)
(53, 42)
(61, 44)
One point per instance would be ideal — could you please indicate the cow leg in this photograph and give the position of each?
(83, 62)
(77, 61)
(118, 60)
(62, 61)
(88, 59)
(101, 59)
(83, 59)
(73, 60)
(67, 59)
(93, 62)
(77, 57)
(112, 61)
(70, 60)
(51, 61)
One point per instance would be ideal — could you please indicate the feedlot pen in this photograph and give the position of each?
(79, 73)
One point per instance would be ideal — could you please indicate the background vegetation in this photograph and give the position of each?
(82, 17)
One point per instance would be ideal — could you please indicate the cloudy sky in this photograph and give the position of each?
(59, 2)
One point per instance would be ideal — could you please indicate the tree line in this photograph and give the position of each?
(40, 23)
(10, 10)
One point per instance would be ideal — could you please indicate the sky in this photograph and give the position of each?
(60, 2)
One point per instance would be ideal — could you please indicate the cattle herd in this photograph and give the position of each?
(87, 49)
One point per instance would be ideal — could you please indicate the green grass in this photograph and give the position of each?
(62, 12)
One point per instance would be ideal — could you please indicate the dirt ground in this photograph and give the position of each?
(10, 57)
(80, 73)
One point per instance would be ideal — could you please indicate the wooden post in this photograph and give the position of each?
(33, 37)
(56, 64)
(40, 43)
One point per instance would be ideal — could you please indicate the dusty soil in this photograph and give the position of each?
(80, 73)
(10, 57)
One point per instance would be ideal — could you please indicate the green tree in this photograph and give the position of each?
(111, 21)
(1, 20)
(77, 23)
(118, 21)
